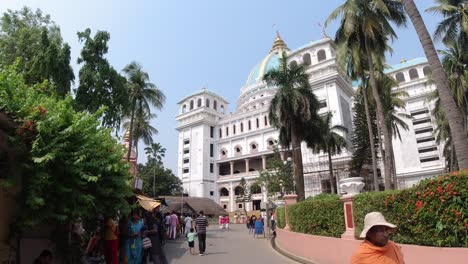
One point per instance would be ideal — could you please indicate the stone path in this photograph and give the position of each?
(225, 247)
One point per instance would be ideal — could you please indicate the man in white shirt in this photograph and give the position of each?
(188, 224)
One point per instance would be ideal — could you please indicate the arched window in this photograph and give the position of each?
(270, 143)
(293, 64)
(427, 71)
(265, 119)
(238, 190)
(242, 127)
(222, 109)
(238, 150)
(255, 188)
(249, 125)
(191, 105)
(253, 147)
(227, 131)
(199, 101)
(306, 59)
(258, 123)
(321, 55)
(215, 105)
(400, 77)
(223, 192)
(223, 153)
(184, 109)
(413, 74)
(233, 129)
(207, 103)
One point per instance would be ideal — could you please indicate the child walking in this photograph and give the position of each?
(191, 240)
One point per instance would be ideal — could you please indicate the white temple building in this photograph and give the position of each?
(216, 148)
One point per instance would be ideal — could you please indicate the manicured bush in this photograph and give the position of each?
(321, 215)
(280, 220)
(432, 213)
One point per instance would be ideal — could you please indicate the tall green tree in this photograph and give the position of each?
(33, 41)
(293, 110)
(100, 84)
(157, 179)
(245, 194)
(142, 129)
(276, 179)
(449, 105)
(143, 95)
(368, 22)
(453, 29)
(331, 142)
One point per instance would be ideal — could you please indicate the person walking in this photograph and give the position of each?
(201, 223)
(156, 251)
(134, 243)
(111, 242)
(259, 227)
(377, 248)
(191, 240)
(174, 221)
(188, 224)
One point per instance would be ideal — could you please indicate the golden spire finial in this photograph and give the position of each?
(279, 43)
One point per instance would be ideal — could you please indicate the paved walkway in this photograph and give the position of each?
(234, 246)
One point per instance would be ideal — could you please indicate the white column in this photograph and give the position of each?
(264, 162)
(232, 167)
(246, 165)
(231, 197)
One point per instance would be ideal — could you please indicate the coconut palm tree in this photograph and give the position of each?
(449, 106)
(293, 110)
(454, 27)
(354, 61)
(368, 23)
(143, 94)
(331, 142)
(142, 129)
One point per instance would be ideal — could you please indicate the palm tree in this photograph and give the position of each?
(454, 27)
(293, 110)
(352, 59)
(142, 129)
(155, 152)
(143, 94)
(451, 111)
(331, 142)
(368, 23)
(456, 69)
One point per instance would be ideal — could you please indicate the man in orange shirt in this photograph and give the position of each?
(377, 248)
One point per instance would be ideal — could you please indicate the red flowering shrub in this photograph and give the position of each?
(432, 213)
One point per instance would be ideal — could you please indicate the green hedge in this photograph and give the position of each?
(280, 221)
(321, 215)
(432, 213)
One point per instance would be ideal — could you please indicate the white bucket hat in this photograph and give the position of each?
(374, 219)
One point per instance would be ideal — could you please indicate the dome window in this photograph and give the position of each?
(207, 103)
(215, 105)
(400, 77)
(321, 55)
(199, 101)
(265, 118)
(306, 59)
(258, 123)
(427, 71)
(249, 125)
(234, 129)
(184, 109)
(413, 74)
(222, 109)
(191, 105)
(242, 127)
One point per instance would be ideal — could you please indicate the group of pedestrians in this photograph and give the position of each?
(256, 225)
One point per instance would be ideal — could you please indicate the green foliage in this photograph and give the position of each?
(100, 84)
(280, 220)
(72, 167)
(277, 177)
(432, 213)
(321, 215)
(35, 41)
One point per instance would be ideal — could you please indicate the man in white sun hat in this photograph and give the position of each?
(377, 248)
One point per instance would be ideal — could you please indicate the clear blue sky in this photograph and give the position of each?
(185, 45)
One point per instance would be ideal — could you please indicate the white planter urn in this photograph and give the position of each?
(352, 186)
(280, 203)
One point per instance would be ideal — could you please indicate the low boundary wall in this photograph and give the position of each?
(329, 250)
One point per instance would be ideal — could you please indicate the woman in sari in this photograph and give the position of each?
(134, 246)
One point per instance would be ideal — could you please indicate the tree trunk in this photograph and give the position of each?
(130, 141)
(371, 141)
(449, 106)
(330, 168)
(452, 161)
(380, 115)
(298, 169)
(392, 157)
